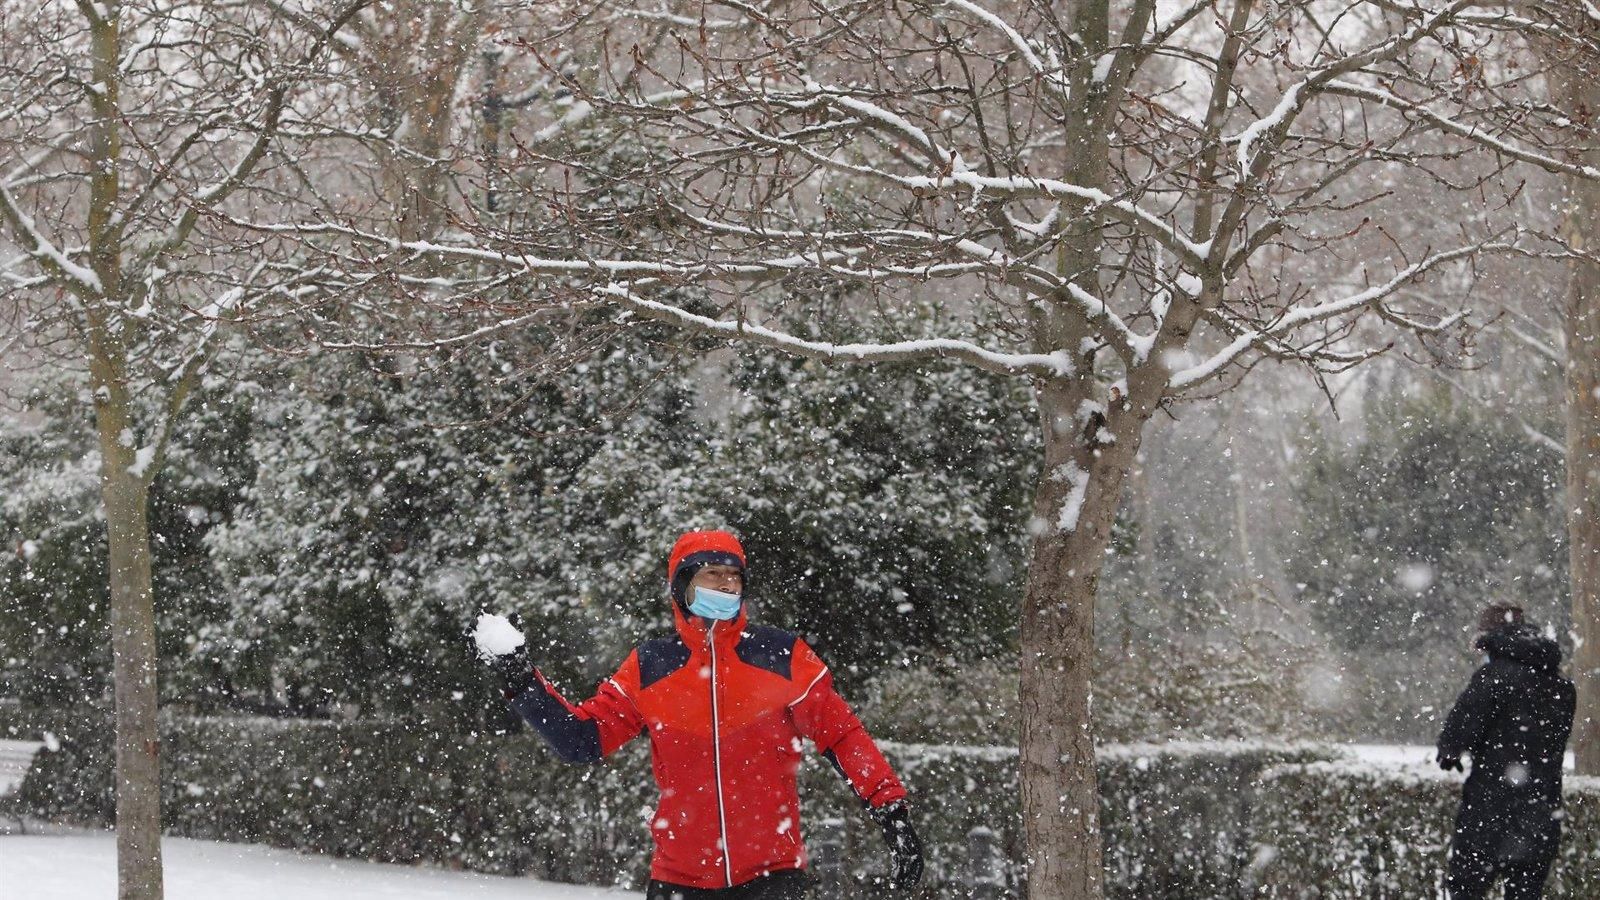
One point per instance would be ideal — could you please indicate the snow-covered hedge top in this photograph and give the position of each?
(1402, 765)
(942, 752)
(1189, 749)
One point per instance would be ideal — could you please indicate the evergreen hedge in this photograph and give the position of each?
(1175, 815)
(1183, 821)
(1342, 829)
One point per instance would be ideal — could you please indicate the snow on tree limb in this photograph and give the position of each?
(81, 279)
(1056, 364)
(237, 174)
(1013, 37)
(1274, 127)
(1372, 298)
(976, 186)
(1471, 133)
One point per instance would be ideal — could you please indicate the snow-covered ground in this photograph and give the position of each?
(83, 867)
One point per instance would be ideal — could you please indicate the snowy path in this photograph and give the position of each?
(83, 867)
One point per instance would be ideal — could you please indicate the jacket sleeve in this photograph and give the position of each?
(821, 715)
(588, 731)
(1469, 719)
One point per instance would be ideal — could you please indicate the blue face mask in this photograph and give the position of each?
(717, 605)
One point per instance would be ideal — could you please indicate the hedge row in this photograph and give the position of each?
(1183, 821)
(1175, 815)
(1341, 829)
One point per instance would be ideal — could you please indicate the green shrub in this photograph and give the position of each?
(1350, 830)
(1175, 815)
(1182, 820)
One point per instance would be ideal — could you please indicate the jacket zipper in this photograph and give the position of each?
(716, 757)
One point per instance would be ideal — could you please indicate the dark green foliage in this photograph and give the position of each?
(1437, 510)
(53, 587)
(1178, 818)
(885, 507)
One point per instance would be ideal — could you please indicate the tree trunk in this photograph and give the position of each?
(1075, 505)
(125, 493)
(124, 486)
(1576, 89)
(1582, 327)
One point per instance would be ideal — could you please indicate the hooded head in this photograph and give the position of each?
(696, 550)
(1504, 635)
(1499, 615)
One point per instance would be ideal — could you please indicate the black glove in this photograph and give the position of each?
(515, 671)
(1448, 761)
(895, 819)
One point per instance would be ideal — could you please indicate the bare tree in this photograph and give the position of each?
(404, 64)
(1133, 206)
(125, 126)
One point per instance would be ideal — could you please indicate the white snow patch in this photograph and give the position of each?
(1102, 67)
(142, 458)
(16, 757)
(1247, 137)
(84, 867)
(1177, 359)
(1071, 509)
(496, 636)
(1403, 763)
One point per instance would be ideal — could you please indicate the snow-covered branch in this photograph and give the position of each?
(1275, 125)
(78, 278)
(1055, 364)
(1012, 36)
(237, 175)
(1300, 317)
(1460, 129)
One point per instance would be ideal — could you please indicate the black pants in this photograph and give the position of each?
(789, 884)
(1472, 874)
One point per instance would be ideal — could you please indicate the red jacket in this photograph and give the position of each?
(725, 709)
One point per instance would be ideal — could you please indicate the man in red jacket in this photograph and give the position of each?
(725, 705)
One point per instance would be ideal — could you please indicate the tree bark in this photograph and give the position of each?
(1086, 462)
(1075, 505)
(124, 488)
(1582, 331)
(1578, 92)
(125, 493)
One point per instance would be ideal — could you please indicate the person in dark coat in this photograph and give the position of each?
(1514, 718)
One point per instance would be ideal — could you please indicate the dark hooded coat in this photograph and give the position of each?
(1514, 718)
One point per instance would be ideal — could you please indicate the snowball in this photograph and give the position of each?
(495, 636)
